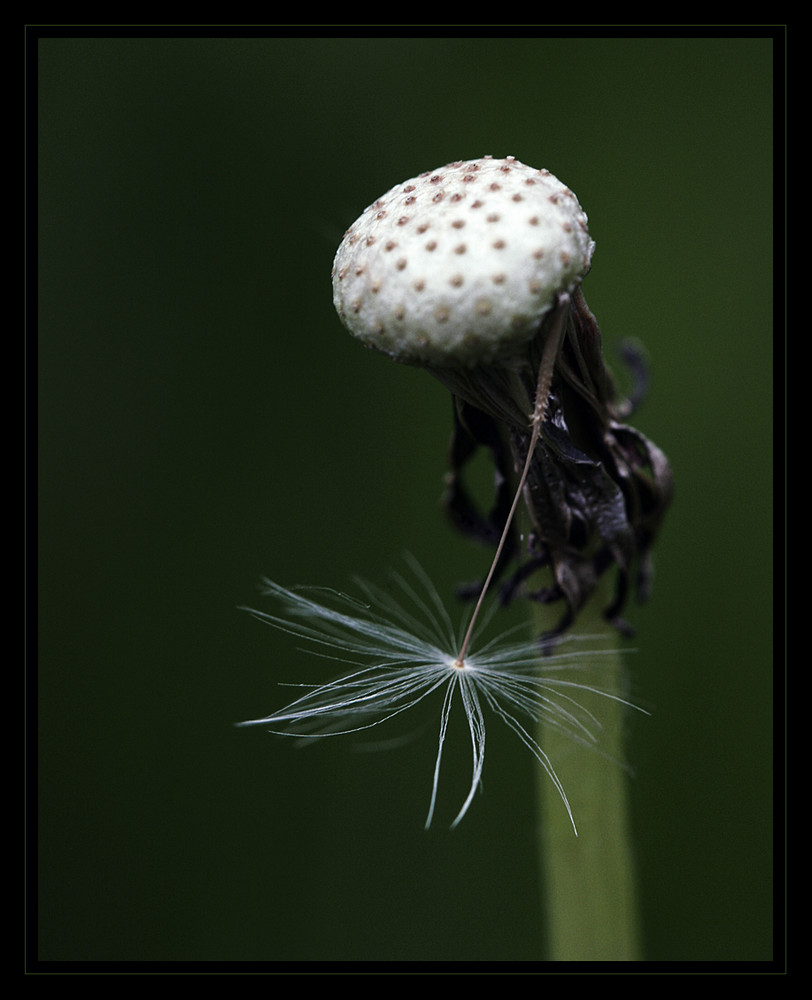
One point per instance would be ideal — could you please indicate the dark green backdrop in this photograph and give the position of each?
(204, 420)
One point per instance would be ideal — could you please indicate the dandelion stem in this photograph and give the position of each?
(589, 880)
(552, 347)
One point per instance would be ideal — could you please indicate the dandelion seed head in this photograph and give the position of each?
(399, 647)
(447, 300)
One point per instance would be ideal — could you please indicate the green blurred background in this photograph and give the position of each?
(204, 420)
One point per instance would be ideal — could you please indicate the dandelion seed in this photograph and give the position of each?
(404, 648)
(404, 655)
(499, 363)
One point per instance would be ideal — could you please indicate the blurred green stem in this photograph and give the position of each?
(589, 880)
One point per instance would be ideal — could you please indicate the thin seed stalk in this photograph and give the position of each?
(589, 884)
(590, 898)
